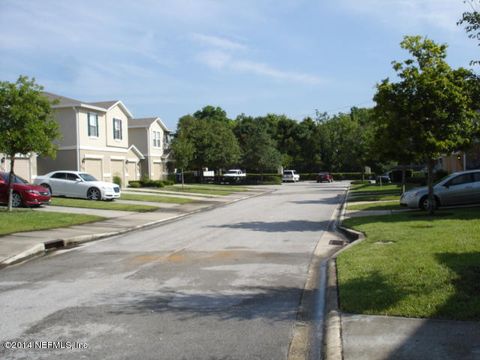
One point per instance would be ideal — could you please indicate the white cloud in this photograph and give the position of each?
(218, 42)
(221, 60)
(269, 71)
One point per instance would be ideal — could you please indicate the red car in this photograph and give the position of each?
(24, 194)
(324, 176)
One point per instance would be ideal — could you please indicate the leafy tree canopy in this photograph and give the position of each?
(26, 119)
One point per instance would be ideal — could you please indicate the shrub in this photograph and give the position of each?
(117, 180)
(263, 179)
(134, 184)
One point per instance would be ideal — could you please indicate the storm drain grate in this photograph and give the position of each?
(55, 244)
(337, 242)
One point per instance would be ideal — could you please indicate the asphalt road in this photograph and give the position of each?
(221, 284)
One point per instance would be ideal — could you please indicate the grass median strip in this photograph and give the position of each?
(379, 197)
(29, 220)
(414, 265)
(206, 189)
(155, 198)
(386, 205)
(102, 205)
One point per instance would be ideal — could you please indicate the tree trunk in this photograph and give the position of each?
(183, 180)
(10, 182)
(431, 198)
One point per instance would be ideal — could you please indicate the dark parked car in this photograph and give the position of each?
(324, 177)
(384, 179)
(24, 194)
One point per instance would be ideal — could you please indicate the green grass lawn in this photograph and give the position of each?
(207, 189)
(390, 205)
(372, 192)
(414, 265)
(155, 198)
(379, 197)
(375, 188)
(29, 220)
(102, 205)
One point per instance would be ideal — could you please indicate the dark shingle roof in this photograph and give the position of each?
(104, 104)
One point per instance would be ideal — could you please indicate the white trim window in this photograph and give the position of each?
(93, 124)
(117, 129)
(157, 142)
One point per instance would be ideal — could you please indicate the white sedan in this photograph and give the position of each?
(78, 184)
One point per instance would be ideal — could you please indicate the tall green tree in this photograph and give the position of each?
(259, 152)
(183, 150)
(433, 102)
(471, 21)
(26, 122)
(210, 135)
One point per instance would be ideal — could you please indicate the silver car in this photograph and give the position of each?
(456, 189)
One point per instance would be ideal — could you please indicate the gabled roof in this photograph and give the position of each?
(64, 101)
(146, 123)
(103, 106)
(136, 151)
(110, 104)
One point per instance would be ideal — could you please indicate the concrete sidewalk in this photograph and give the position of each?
(369, 337)
(18, 247)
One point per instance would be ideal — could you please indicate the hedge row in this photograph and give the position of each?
(149, 183)
(251, 179)
(338, 176)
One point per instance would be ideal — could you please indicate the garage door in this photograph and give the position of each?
(117, 169)
(22, 168)
(132, 171)
(94, 167)
(157, 171)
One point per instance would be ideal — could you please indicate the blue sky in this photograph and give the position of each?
(169, 58)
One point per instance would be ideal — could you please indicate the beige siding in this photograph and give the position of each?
(156, 151)
(91, 141)
(117, 113)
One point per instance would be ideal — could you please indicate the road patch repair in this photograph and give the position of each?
(19, 247)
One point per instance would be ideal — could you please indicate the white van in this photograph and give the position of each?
(290, 175)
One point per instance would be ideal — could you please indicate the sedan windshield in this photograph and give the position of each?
(87, 177)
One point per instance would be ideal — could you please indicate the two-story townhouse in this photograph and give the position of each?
(94, 139)
(150, 136)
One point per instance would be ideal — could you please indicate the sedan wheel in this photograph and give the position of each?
(424, 203)
(16, 200)
(94, 194)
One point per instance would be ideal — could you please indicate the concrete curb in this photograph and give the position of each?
(333, 348)
(24, 255)
(51, 245)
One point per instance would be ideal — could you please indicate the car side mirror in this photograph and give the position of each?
(447, 186)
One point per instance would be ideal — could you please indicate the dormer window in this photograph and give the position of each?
(117, 129)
